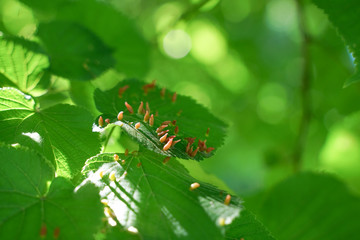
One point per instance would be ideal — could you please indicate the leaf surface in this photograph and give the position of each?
(155, 197)
(62, 133)
(27, 204)
(191, 118)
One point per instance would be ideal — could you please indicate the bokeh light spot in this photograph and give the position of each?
(177, 44)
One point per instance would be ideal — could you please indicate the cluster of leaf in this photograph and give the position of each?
(57, 182)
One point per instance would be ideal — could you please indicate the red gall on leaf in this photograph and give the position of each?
(173, 122)
(207, 132)
(227, 199)
(147, 116)
(176, 130)
(156, 114)
(137, 125)
(151, 120)
(101, 121)
(141, 108)
(43, 231)
(129, 108)
(175, 142)
(149, 86)
(116, 157)
(148, 107)
(112, 176)
(56, 233)
(122, 90)
(159, 129)
(126, 152)
(209, 149)
(138, 165)
(166, 160)
(194, 186)
(162, 132)
(193, 153)
(163, 138)
(166, 123)
(107, 121)
(120, 115)
(173, 99)
(202, 145)
(162, 92)
(122, 162)
(168, 144)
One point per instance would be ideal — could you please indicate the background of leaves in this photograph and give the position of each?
(245, 65)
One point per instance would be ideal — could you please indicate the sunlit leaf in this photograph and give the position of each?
(311, 206)
(22, 65)
(191, 119)
(76, 53)
(154, 197)
(28, 205)
(62, 133)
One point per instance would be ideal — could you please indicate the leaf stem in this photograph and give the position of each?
(300, 141)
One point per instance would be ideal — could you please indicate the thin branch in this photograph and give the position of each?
(305, 90)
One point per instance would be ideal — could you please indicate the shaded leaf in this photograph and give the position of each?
(22, 65)
(311, 206)
(344, 16)
(76, 53)
(155, 197)
(192, 119)
(61, 132)
(28, 204)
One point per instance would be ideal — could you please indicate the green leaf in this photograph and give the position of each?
(76, 53)
(344, 16)
(131, 51)
(155, 197)
(247, 227)
(312, 206)
(27, 204)
(61, 133)
(192, 119)
(22, 65)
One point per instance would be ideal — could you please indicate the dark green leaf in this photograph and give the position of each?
(247, 227)
(76, 53)
(61, 133)
(192, 119)
(345, 15)
(155, 197)
(22, 65)
(312, 206)
(27, 204)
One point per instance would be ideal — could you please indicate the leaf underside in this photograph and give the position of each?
(192, 119)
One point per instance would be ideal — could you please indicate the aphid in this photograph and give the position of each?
(194, 186)
(107, 121)
(116, 157)
(151, 120)
(148, 107)
(166, 123)
(56, 233)
(120, 115)
(122, 90)
(122, 162)
(175, 142)
(209, 149)
(163, 138)
(173, 99)
(221, 221)
(129, 108)
(138, 165)
(173, 122)
(43, 231)
(168, 145)
(227, 199)
(101, 121)
(112, 176)
(137, 125)
(126, 152)
(147, 116)
(159, 129)
(193, 153)
(104, 201)
(141, 108)
(166, 160)
(176, 130)
(101, 174)
(162, 92)
(207, 132)
(162, 132)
